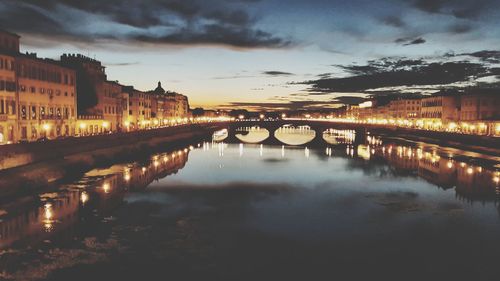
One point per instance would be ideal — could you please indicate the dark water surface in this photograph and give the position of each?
(378, 211)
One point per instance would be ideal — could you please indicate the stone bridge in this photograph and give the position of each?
(317, 126)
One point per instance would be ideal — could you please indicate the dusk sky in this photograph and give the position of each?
(271, 53)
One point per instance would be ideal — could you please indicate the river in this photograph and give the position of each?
(387, 209)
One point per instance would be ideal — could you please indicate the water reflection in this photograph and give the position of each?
(291, 135)
(34, 219)
(333, 136)
(236, 194)
(252, 134)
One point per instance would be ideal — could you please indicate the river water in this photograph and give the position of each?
(383, 210)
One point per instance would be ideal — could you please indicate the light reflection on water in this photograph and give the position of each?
(328, 203)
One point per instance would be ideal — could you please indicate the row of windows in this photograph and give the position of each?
(39, 73)
(41, 90)
(111, 110)
(432, 103)
(146, 105)
(8, 86)
(7, 107)
(7, 64)
(58, 131)
(431, 114)
(31, 112)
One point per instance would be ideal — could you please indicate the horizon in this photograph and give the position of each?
(262, 55)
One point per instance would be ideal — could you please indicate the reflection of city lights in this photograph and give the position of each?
(127, 177)
(48, 211)
(144, 169)
(496, 179)
(450, 164)
(106, 187)
(156, 163)
(48, 216)
(462, 164)
(470, 170)
(165, 158)
(84, 197)
(306, 152)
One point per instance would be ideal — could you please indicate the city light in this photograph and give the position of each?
(46, 127)
(84, 197)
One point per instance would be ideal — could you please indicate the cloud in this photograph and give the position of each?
(410, 41)
(463, 9)
(277, 73)
(460, 28)
(401, 72)
(491, 56)
(169, 22)
(393, 21)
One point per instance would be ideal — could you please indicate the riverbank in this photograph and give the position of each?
(40, 165)
(481, 144)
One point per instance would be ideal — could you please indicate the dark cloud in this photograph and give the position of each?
(393, 21)
(464, 9)
(486, 56)
(460, 28)
(285, 105)
(179, 22)
(277, 73)
(389, 72)
(410, 41)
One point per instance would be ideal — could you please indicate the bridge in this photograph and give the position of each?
(316, 127)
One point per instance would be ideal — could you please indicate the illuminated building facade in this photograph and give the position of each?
(438, 110)
(405, 109)
(37, 96)
(47, 99)
(9, 47)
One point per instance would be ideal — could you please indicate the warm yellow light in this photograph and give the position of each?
(106, 187)
(84, 197)
(496, 179)
(83, 125)
(105, 125)
(241, 117)
(452, 126)
(284, 116)
(48, 214)
(127, 177)
(470, 171)
(450, 164)
(46, 127)
(126, 123)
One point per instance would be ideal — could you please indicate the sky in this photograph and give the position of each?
(272, 54)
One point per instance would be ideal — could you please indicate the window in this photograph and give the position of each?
(32, 89)
(23, 112)
(33, 112)
(42, 91)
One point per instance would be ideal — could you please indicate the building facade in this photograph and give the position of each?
(47, 99)
(439, 110)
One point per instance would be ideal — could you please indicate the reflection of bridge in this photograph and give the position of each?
(316, 127)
